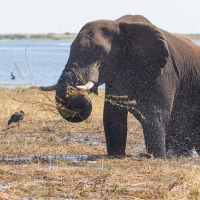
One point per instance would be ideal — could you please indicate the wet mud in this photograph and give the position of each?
(83, 139)
(63, 157)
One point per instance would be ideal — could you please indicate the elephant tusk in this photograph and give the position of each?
(87, 86)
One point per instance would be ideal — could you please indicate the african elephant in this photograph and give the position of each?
(137, 61)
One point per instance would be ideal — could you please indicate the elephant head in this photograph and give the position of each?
(99, 53)
(92, 57)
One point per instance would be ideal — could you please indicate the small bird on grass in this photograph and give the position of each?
(16, 117)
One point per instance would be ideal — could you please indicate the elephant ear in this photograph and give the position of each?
(145, 47)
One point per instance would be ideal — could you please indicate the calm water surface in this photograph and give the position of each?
(37, 62)
(32, 62)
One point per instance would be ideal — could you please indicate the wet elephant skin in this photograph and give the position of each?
(141, 62)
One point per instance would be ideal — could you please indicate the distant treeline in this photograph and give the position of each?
(66, 36)
(190, 36)
(50, 36)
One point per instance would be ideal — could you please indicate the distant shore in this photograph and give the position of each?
(66, 36)
(190, 36)
(49, 36)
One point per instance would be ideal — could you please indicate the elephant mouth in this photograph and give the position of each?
(76, 109)
(72, 103)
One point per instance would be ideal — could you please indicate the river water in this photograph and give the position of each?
(36, 62)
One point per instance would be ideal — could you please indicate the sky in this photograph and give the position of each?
(60, 16)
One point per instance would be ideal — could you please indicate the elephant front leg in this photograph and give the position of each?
(154, 126)
(115, 127)
(154, 135)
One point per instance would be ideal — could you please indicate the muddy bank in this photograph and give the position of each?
(68, 158)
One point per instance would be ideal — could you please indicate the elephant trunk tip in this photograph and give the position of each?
(75, 109)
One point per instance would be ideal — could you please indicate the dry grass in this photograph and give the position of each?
(44, 132)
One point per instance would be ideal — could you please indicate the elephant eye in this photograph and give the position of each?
(90, 34)
(105, 31)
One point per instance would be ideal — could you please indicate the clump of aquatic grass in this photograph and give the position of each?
(72, 91)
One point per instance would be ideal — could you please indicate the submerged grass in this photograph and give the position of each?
(44, 132)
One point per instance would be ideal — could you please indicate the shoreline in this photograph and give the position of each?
(28, 86)
(66, 36)
(49, 36)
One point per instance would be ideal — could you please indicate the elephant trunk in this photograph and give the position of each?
(48, 88)
(73, 108)
(45, 88)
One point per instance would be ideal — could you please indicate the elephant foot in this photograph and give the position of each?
(198, 151)
(172, 153)
(116, 153)
(116, 156)
(145, 155)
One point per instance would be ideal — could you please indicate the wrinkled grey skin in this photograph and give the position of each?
(141, 62)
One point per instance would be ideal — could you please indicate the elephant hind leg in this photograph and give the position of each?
(197, 148)
(179, 142)
(196, 134)
(183, 148)
(196, 140)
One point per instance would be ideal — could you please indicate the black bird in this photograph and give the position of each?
(12, 76)
(16, 117)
